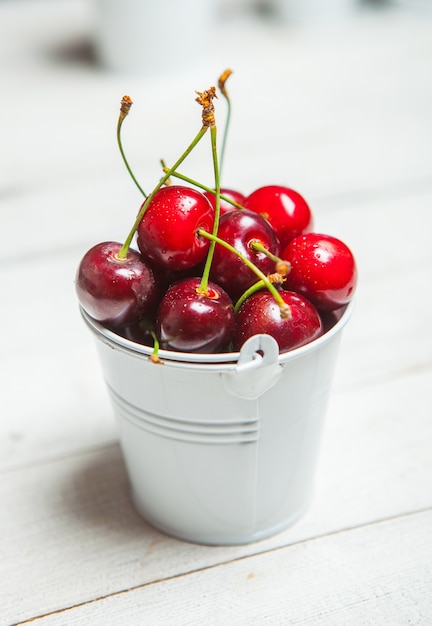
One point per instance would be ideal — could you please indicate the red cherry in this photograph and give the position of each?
(116, 292)
(189, 321)
(167, 233)
(261, 314)
(285, 209)
(242, 228)
(323, 269)
(226, 206)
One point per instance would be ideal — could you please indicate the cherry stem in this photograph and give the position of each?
(282, 267)
(195, 183)
(221, 84)
(255, 287)
(122, 253)
(257, 246)
(225, 135)
(203, 288)
(126, 104)
(284, 308)
(165, 169)
(154, 357)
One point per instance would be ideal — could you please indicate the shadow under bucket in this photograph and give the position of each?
(220, 449)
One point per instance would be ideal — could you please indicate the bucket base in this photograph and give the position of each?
(222, 540)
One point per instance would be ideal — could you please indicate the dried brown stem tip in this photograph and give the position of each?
(285, 312)
(222, 80)
(205, 99)
(282, 268)
(276, 278)
(125, 106)
(155, 359)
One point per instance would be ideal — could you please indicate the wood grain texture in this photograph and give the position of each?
(343, 115)
(362, 576)
(70, 524)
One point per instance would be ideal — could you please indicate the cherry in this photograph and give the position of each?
(112, 290)
(167, 231)
(330, 318)
(261, 314)
(242, 229)
(191, 321)
(226, 206)
(323, 269)
(139, 332)
(285, 209)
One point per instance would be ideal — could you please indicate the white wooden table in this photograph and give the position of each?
(343, 114)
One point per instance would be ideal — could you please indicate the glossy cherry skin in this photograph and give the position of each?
(167, 233)
(323, 269)
(188, 321)
(261, 314)
(285, 209)
(226, 206)
(240, 228)
(116, 292)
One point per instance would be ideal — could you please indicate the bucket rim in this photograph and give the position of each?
(225, 360)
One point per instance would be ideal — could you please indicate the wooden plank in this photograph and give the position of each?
(72, 535)
(350, 126)
(379, 574)
(53, 399)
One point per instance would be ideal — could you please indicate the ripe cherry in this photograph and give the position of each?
(114, 291)
(261, 314)
(242, 229)
(330, 318)
(139, 332)
(167, 232)
(285, 209)
(191, 321)
(226, 206)
(323, 269)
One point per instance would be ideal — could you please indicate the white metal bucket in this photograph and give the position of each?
(220, 449)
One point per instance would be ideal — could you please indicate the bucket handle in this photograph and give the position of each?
(257, 369)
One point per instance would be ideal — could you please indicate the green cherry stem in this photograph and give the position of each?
(284, 308)
(203, 288)
(165, 170)
(195, 183)
(122, 253)
(221, 84)
(154, 357)
(257, 246)
(278, 278)
(253, 289)
(205, 99)
(125, 106)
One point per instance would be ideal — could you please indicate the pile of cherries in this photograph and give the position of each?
(213, 267)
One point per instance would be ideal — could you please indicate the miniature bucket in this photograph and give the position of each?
(220, 449)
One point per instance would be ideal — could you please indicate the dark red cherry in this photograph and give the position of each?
(167, 232)
(226, 206)
(285, 209)
(116, 292)
(241, 229)
(323, 269)
(139, 332)
(330, 318)
(261, 314)
(190, 321)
